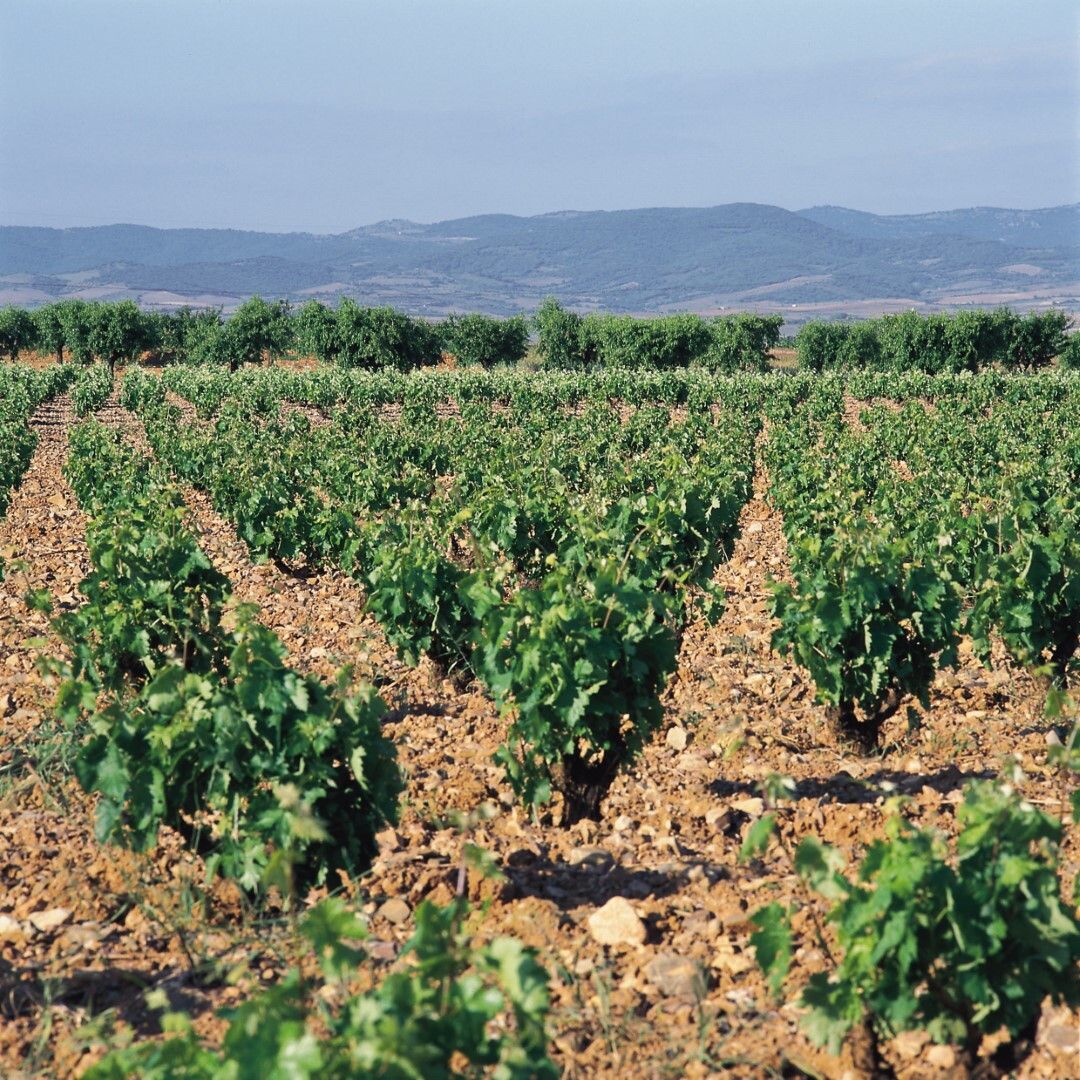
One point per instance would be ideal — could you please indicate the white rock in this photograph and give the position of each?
(617, 923)
(676, 738)
(941, 1057)
(49, 920)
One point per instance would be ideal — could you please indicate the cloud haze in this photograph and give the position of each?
(328, 114)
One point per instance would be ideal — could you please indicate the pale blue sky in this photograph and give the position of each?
(326, 114)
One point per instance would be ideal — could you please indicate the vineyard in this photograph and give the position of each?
(683, 719)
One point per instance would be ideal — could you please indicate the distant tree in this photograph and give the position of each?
(742, 342)
(17, 331)
(50, 329)
(559, 333)
(118, 332)
(623, 341)
(914, 342)
(256, 329)
(316, 333)
(378, 338)
(480, 340)
(201, 338)
(860, 349)
(76, 317)
(1070, 353)
(820, 345)
(1036, 339)
(978, 338)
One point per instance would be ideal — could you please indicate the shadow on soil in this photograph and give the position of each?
(24, 992)
(594, 881)
(842, 787)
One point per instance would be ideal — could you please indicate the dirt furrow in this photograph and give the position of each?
(682, 995)
(83, 927)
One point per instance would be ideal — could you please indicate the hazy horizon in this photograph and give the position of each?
(273, 116)
(543, 213)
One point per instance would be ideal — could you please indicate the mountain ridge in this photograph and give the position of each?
(821, 259)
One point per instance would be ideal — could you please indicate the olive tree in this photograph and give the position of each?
(76, 318)
(480, 340)
(378, 338)
(118, 332)
(1036, 339)
(255, 329)
(17, 331)
(316, 332)
(50, 329)
(559, 333)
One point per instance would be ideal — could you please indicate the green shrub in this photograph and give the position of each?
(1036, 339)
(819, 345)
(559, 335)
(382, 338)
(482, 341)
(960, 940)
(742, 342)
(870, 620)
(1070, 353)
(570, 660)
(441, 1017)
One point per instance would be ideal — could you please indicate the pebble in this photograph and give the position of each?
(49, 920)
(941, 1057)
(676, 738)
(676, 976)
(617, 923)
(395, 910)
(909, 1044)
(10, 928)
(1061, 1037)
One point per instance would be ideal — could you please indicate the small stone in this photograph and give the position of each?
(1053, 738)
(754, 528)
(11, 928)
(388, 840)
(395, 910)
(754, 807)
(622, 823)
(617, 923)
(727, 959)
(381, 951)
(909, 1044)
(676, 976)
(693, 763)
(676, 739)
(941, 1057)
(733, 916)
(49, 920)
(1061, 1037)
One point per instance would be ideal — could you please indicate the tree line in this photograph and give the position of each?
(939, 344)
(383, 338)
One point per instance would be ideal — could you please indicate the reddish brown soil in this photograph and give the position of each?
(111, 924)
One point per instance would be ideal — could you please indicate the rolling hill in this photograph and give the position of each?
(823, 260)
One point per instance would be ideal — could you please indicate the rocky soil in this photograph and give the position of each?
(642, 919)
